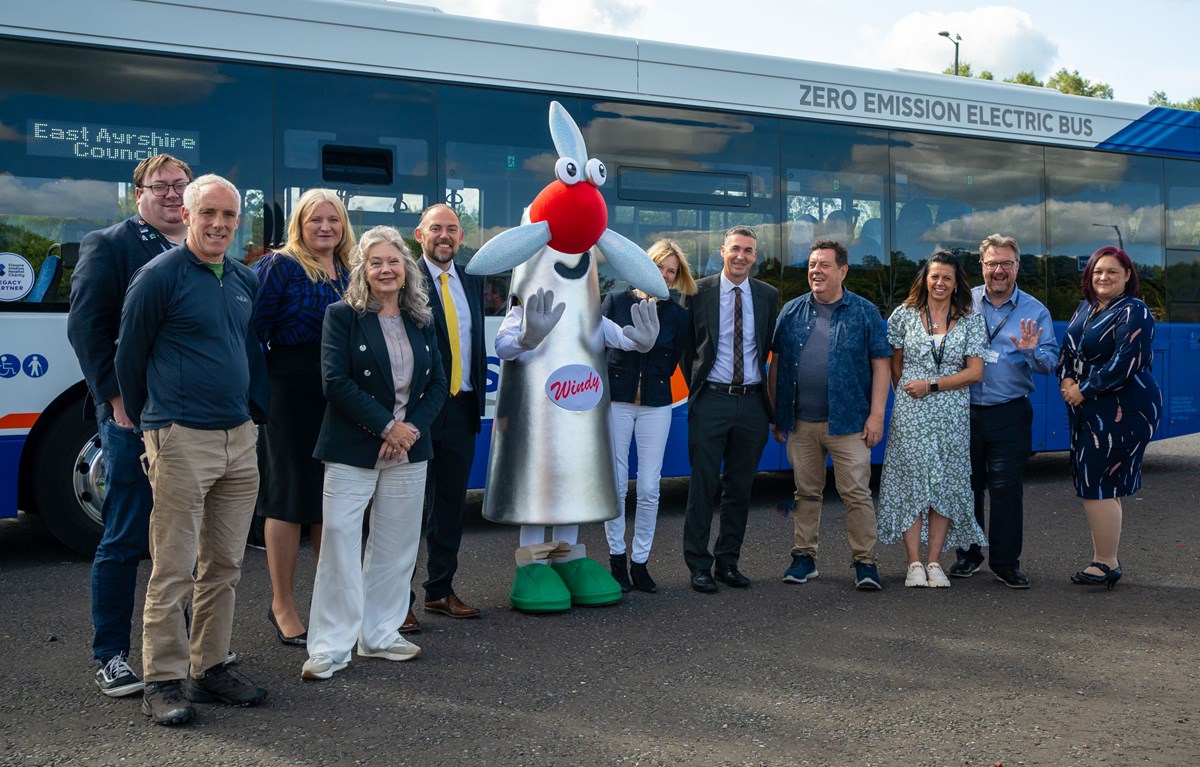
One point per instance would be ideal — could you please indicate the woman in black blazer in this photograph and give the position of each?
(384, 384)
(642, 403)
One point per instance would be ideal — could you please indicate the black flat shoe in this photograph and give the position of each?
(300, 640)
(1109, 579)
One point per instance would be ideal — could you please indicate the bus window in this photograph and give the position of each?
(688, 176)
(79, 120)
(1096, 199)
(375, 149)
(951, 192)
(835, 180)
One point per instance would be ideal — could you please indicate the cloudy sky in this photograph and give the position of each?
(1136, 47)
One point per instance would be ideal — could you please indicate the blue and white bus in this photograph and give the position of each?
(399, 106)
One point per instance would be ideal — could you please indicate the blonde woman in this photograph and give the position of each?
(384, 383)
(640, 388)
(296, 284)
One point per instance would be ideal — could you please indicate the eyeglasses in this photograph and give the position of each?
(995, 266)
(160, 190)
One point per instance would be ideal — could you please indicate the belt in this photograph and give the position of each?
(734, 389)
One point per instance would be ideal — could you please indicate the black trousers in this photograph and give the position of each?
(732, 429)
(1000, 444)
(446, 491)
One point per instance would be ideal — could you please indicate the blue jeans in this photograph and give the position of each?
(126, 514)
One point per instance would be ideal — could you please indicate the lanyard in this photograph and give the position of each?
(938, 351)
(993, 333)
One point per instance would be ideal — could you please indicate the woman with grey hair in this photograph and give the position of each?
(384, 383)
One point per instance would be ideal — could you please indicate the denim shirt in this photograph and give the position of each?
(857, 335)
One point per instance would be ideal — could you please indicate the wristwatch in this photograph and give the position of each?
(932, 385)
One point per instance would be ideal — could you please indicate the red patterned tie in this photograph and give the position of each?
(739, 364)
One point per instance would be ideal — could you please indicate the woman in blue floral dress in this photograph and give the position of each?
(1113, 402)
(925, 493)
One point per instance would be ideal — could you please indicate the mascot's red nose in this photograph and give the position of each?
(577, 215)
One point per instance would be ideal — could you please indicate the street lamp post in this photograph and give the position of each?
(956, 40)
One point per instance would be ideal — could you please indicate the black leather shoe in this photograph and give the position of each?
(703, 582)
(300, 640)
(1011, 577)
(966, 565)
(731, 577)
(1109, 578)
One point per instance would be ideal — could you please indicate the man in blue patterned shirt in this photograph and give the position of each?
(1021, 339)
(829, 381)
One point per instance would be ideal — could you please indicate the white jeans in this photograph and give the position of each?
(651, 425)
(358, 597)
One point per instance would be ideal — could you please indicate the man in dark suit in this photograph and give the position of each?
(457, 301)
(107, 260)
(730, 320)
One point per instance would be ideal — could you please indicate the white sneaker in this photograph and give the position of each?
(935, 577)
(321, 666)
(916, 575)
(401, 649)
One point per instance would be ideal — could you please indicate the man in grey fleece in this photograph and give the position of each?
(188, 367)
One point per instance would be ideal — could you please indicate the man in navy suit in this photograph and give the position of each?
(457, 302)
(107, 260)
(729, 326)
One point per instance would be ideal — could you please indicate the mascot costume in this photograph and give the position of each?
(551, 463)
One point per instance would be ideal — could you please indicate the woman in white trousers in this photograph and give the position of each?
(640, 390)
(384, 384)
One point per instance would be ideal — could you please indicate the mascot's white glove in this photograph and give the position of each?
(644, 330)
(540, 317)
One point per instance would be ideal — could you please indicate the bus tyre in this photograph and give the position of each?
(68, 481)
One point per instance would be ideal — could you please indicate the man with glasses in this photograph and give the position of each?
(107, 261)
(1021, 339)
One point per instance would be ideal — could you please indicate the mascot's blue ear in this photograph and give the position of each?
(510, 249)
(632, 263)
(567, 138)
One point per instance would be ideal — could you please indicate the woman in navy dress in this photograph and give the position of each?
(295, 284)
(1112, 400)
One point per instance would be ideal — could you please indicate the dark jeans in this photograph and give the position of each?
(730, 429)
(1000, 440)
(446, 491)
(126, 513)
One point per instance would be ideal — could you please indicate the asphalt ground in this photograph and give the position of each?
(777, 674)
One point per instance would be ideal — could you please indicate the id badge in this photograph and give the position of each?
(991, 357)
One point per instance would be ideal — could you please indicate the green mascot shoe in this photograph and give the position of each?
(539, 589)
(590, 584)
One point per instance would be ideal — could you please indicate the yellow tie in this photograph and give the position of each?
(452, 332)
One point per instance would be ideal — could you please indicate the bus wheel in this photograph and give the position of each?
(69, 481)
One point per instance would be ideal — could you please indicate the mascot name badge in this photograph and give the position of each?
(575, 387)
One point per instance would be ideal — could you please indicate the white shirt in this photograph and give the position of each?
(464, 314)
(722, 370)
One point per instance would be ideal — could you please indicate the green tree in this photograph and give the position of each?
(964, 70)
(1075, 83)
(1025, 77)
(1159, 99)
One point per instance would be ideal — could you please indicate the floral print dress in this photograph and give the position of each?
(927, 464)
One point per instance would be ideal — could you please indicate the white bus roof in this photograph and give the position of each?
(412, 41)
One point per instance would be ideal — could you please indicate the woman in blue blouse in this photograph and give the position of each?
(640, 389)
(1113, 402)
(295, 285)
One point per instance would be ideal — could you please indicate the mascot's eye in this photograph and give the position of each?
(567, 171)
(596, 172)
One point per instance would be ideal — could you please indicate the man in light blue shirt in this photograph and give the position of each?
(1021, 337)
